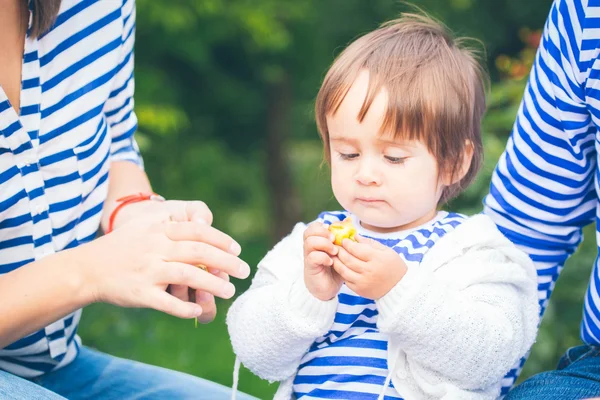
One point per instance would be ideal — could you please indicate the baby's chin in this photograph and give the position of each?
(380, 224)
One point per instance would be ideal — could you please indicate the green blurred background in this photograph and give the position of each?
(224, 96)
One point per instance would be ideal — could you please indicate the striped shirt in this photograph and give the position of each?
(76, 116)
(545, 186)
(350, 361)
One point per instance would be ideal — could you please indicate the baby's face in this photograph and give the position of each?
(387, 183)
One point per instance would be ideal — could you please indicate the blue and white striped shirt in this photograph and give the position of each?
(76, 117)
(545, 186)
(350, 361)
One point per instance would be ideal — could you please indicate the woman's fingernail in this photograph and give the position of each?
(235, 248)
(244, 270)
(200, 221)
(228, 290)
(197, 310)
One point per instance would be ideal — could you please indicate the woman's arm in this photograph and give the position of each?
(40, 293)
(131, 267)
(542, 191)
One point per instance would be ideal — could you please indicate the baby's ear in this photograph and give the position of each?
(462, 169)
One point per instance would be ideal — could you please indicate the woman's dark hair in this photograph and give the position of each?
(44, 15)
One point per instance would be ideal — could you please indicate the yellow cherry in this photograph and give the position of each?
(343, 230)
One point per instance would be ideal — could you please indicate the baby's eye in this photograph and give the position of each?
(395, 160)
(346, 156)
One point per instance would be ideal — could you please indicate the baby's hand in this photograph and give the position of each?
(369, 268)
(320, 279)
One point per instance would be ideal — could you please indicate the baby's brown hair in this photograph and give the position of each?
(435, 89)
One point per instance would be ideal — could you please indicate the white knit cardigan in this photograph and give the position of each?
(457, 323)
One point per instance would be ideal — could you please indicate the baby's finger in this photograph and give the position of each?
(319, 258)
(373, 243)
(355, 264)
(319, 243)
(317, 229)
(346, 273)
(363, 251)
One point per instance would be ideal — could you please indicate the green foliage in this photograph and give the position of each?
(203, 70)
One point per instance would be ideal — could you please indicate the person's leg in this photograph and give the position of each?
(94, 375)
(14, 388)
(576, 377)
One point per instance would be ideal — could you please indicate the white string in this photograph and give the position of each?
(236, 378)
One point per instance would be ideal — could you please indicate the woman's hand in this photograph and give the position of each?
(178, 210)
(170, 210)
(133, 265)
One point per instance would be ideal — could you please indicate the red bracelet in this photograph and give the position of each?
(133, 198)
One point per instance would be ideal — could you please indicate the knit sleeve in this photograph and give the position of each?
(466, 322)
(273, 324)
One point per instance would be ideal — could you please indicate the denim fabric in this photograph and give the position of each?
(577, 377)
(94, 375)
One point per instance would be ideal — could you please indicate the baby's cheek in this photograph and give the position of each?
(341, 186)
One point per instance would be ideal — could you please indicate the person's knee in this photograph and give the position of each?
(555, 385)
(532, 388)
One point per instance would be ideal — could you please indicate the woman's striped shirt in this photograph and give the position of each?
(545, 188)
(76, 117)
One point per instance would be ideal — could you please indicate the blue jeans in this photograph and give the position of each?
(577, 377)
(94, 375)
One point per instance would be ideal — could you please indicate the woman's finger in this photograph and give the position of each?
(163, 301)
(183, 211)
(197, 253)
(198, 211)
(209, 306)
(207, 300)
(176, 273)
(200, 232)
(218, 273)
(179, 291)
